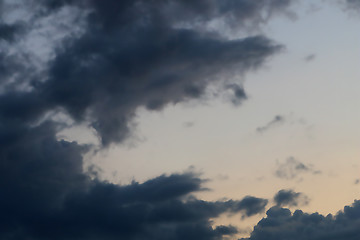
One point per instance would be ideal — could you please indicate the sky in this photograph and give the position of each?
(177, 119)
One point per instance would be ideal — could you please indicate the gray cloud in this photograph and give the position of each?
(287, 197)
(292, 168)
(278, 120)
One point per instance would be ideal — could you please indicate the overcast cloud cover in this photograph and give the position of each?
(97, 62)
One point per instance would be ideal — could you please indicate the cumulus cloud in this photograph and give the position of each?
(282, 224)
(287, 197)
(292, 168)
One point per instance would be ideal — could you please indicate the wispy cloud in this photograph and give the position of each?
(292, 168)
(276, 121)
(310, 57)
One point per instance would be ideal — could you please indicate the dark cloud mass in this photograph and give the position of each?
(281, 224)
(125, 55)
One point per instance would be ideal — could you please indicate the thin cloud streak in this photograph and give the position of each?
(278, 120)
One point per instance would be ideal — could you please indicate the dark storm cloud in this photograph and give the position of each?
(287, 197)
(292, 168)
(127, 54)
(278, 119)
(281, 224)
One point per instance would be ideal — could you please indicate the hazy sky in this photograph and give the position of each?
(204, 119)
